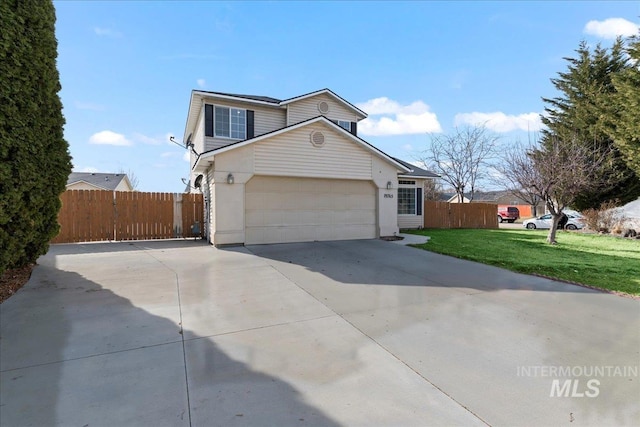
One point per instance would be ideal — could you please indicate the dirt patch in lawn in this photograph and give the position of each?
(14, 279)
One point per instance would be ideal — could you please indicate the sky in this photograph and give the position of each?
(417, 68)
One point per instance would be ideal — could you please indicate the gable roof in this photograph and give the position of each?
(416, 172)
(327, 92)
(195, 108)
(257, 98)
(211, 153)
(105, 181)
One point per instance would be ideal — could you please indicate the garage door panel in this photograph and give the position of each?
(280, 209)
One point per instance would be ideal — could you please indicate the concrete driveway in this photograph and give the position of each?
(330, 333)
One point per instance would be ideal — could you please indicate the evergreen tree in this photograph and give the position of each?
(625, 118)
(34, 157)
(584, 111)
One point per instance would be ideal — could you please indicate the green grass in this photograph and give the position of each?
(595, 260)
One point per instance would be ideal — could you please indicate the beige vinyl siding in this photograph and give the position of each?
(82, 186)
(268, 119)
(305, 109)
(265, 120)
(410, 221)
(123, 186)
(292, 154)
(211, 143)
(198, 134)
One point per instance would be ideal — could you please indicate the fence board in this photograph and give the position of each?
(460, 215)
(101, 215)
(192, 211)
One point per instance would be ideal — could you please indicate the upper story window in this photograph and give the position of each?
(230, 122)
(344, 124)
(227, 122)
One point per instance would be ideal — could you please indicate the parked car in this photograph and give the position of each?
(574, 223)
(508, 213)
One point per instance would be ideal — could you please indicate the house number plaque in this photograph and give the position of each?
(388, 196)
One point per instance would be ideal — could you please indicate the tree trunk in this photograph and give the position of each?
(551, 237)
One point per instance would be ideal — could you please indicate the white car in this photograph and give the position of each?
(544, 221)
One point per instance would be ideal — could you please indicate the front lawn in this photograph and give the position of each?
(601, 261)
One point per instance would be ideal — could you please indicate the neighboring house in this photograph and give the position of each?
(98, 181)
(275, 171)
(452, 198)
(501, 198)
(506, 198)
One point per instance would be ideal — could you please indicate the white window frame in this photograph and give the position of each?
(342, 124)
(230, 131)
(415, 200)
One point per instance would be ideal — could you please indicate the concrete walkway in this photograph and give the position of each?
(330, 333)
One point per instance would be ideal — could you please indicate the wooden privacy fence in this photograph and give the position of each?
(99, 215)
(460, 215)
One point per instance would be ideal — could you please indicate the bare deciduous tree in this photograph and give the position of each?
(557, 174)
(461, 159)
(133, 178)
(432, 189)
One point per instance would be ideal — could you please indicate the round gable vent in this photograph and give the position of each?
(323, 107)
(317, 138)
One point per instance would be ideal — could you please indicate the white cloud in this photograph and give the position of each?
(407, 147)
(186, 156)
(501, 122)
(611, 28)
(397, 119)
(201, 82)
(88, 106)
(107, 137)
(139, 137)
(107, 32)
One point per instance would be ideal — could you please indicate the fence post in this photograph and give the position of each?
(177, 215)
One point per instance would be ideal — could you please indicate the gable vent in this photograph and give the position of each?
(317, 138)
(323, 107)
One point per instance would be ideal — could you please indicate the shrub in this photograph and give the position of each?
(607, 218)
(34, 157)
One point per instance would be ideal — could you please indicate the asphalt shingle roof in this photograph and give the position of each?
(416, 171)
(107, 181)
(250, 97)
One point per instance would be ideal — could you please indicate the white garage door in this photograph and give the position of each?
(280, 210)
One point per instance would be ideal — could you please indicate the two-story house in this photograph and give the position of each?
(294, 170)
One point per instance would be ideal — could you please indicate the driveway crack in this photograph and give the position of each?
(184, 352)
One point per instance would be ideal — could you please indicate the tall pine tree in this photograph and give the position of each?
(625, 117)
(34, 157)
(584, 110)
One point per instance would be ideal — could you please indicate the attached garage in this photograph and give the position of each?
(312, 181)
(294, 209)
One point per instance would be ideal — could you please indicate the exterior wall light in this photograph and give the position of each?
(389, 185)
(230, 179)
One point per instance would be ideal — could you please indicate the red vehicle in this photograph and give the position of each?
(508, 213)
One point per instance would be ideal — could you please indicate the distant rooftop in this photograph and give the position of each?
(105, 181)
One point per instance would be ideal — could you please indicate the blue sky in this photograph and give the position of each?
(127, 68)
